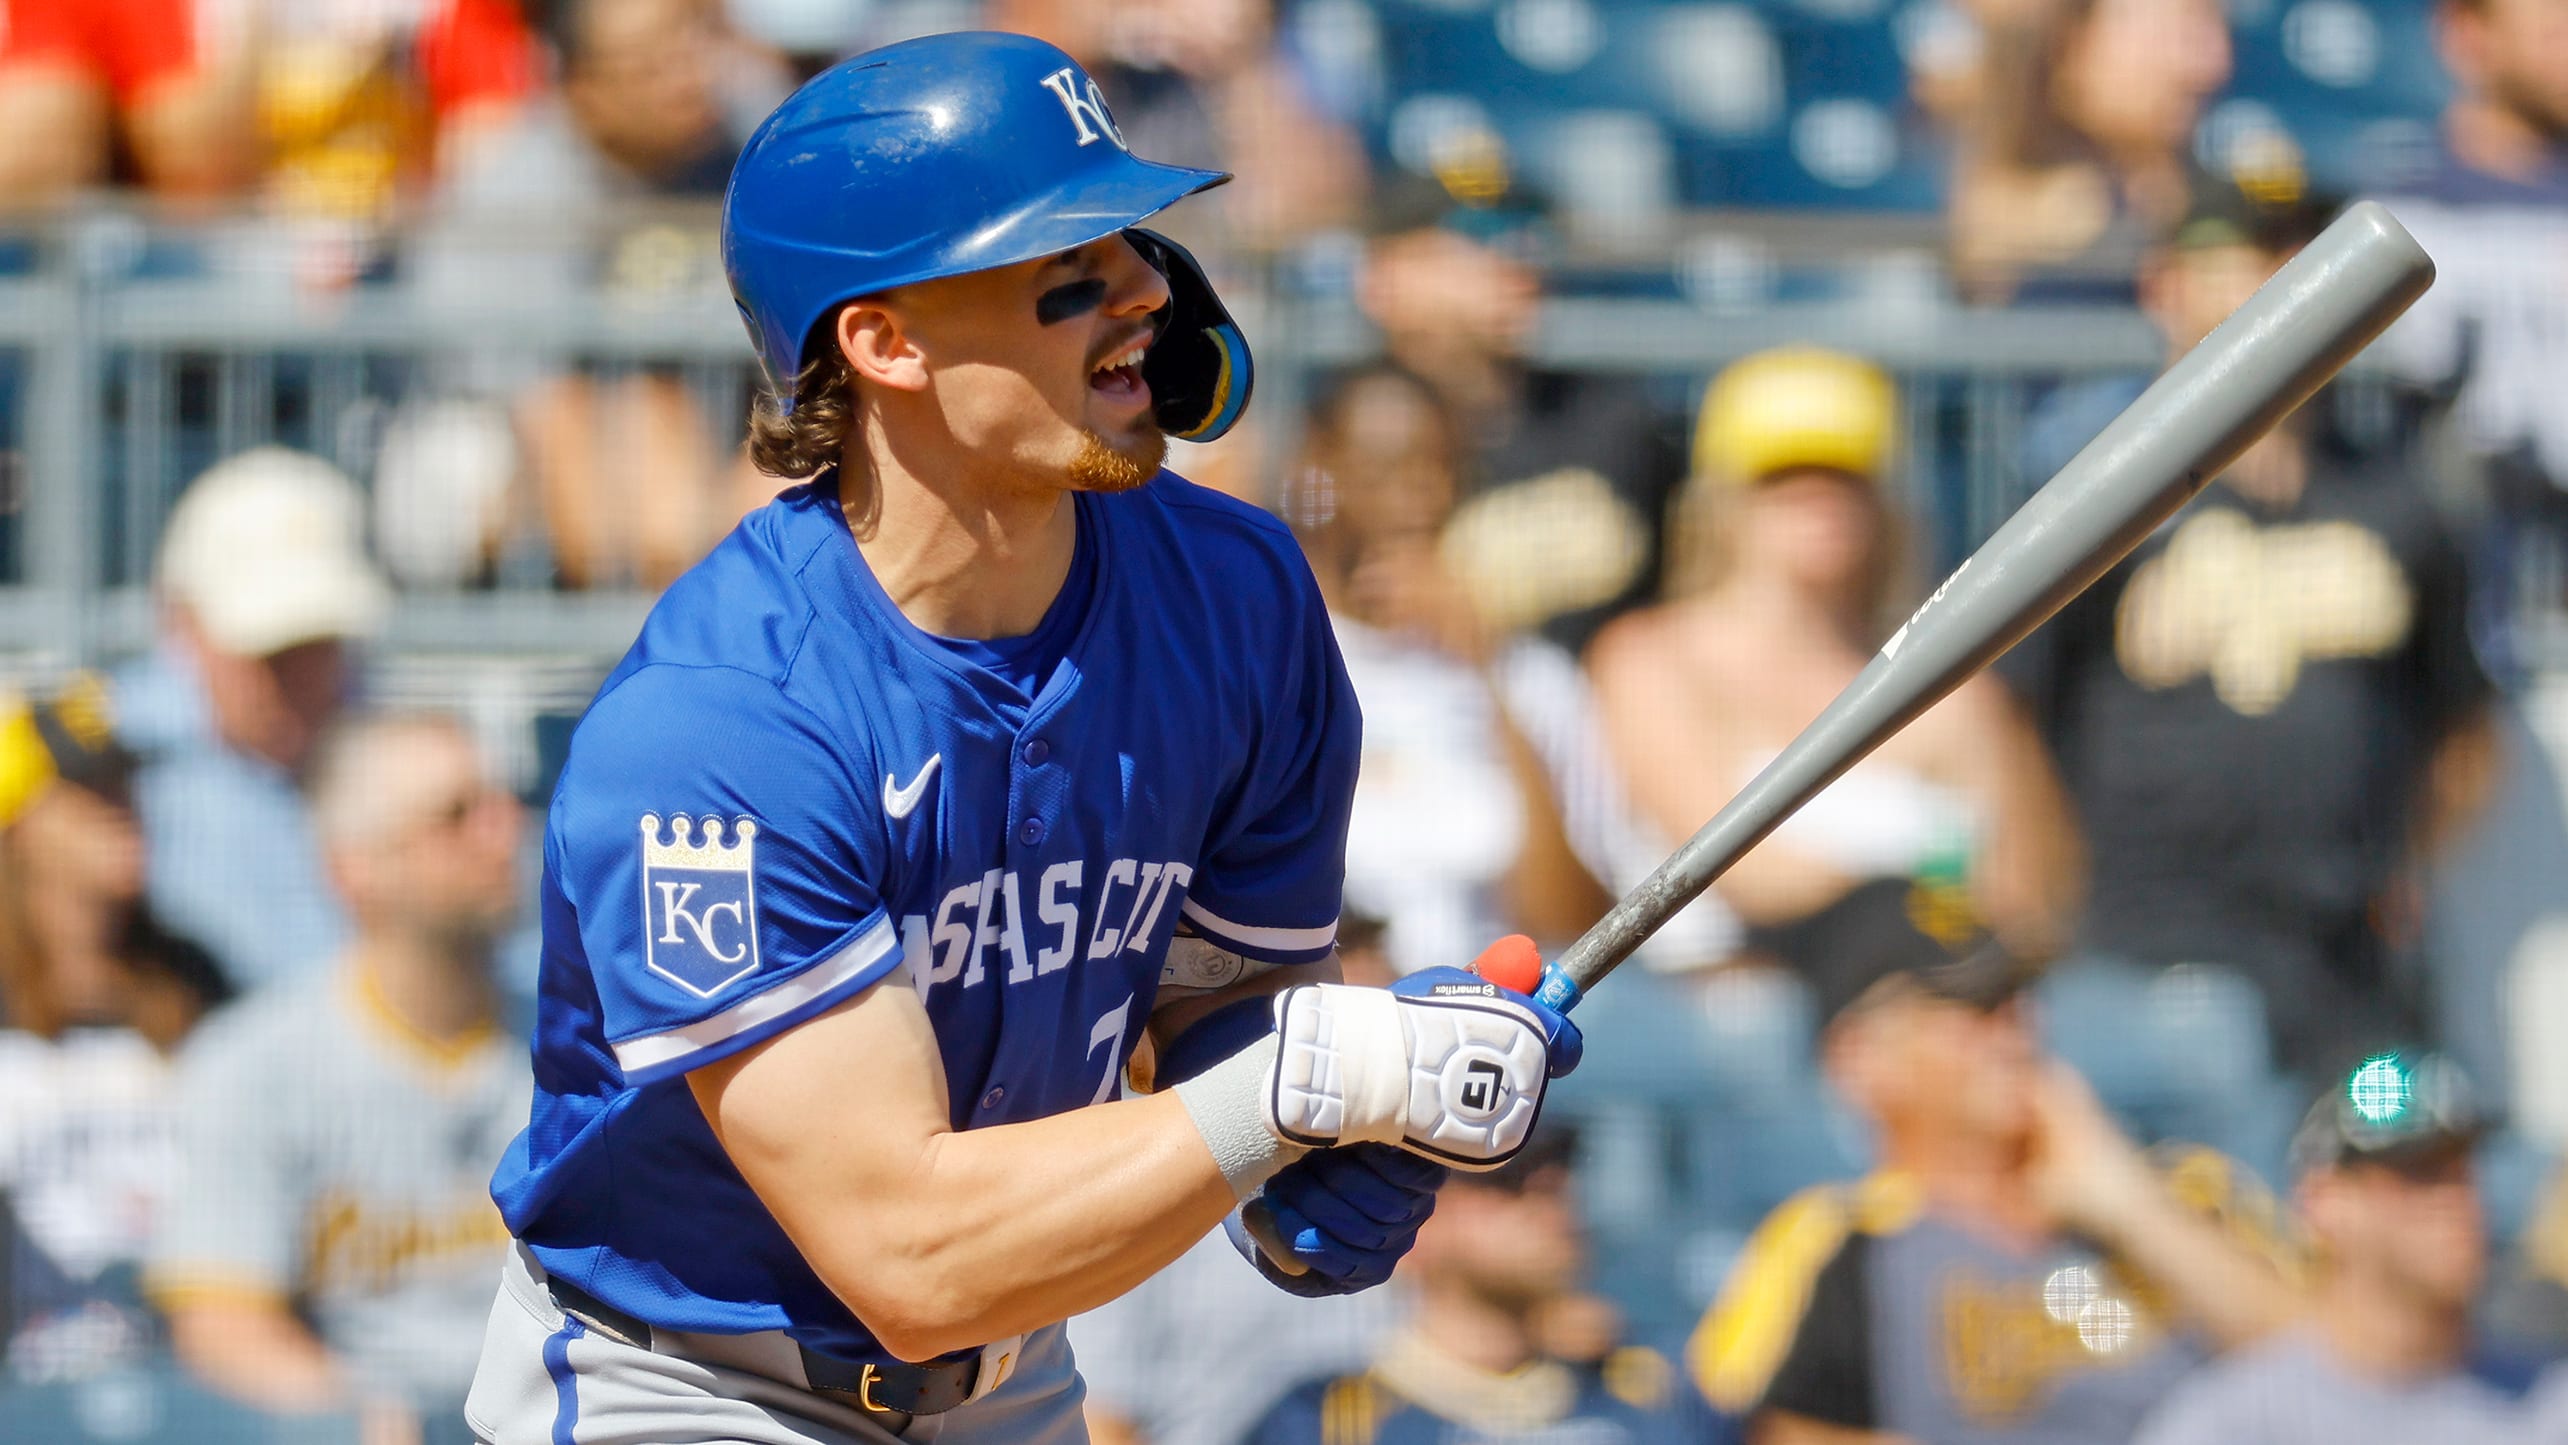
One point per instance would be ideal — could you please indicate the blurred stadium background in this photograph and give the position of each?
(464, 251)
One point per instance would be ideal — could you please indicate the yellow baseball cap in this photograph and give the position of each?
(1792, 407)
(71, 735)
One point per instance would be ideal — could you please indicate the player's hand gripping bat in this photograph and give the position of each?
(2324, 305)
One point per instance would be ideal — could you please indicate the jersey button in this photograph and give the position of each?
(1036, 752)
(1030, 832)
(994, 1098)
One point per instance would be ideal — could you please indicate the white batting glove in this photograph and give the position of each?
(1453, 1072)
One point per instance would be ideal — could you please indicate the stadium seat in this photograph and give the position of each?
(157, 1405)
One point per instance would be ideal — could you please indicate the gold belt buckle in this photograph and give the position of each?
(865, 1391)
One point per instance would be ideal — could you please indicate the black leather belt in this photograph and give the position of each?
(883, 1389)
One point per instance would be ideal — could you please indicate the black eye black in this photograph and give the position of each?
(1071, 298)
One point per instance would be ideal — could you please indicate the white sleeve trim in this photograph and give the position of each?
(1286, 940)
(653, 1053)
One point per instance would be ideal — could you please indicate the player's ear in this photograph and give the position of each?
(879, 349)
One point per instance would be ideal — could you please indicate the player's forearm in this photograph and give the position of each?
(998, 1231)
(940, 1240)
(2235, 1295)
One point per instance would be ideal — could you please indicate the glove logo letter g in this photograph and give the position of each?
(1483, 1085)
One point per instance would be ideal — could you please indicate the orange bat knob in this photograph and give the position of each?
(1512, 962)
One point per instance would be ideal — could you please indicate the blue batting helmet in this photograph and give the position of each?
(929, 158)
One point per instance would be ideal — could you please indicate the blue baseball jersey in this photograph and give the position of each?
(786, 791)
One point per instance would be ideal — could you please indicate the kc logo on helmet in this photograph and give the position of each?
(699, 911)
(1079, 95)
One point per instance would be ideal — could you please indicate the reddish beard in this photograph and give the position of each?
(1101, 466)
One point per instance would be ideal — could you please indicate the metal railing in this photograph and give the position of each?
(123, 390)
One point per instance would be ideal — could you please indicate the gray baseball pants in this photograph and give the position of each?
(546, 1379)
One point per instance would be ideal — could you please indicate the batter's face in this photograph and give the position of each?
(1035, 369)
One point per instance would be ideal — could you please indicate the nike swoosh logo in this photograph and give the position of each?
(900, 801)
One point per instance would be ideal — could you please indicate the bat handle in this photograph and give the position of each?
(1259, 1220)
(1514, 963)
(1557, 992)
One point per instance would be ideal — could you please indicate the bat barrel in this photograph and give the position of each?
(2324, 306)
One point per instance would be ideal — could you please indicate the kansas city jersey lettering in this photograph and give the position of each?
(981, 929)
(700, 903)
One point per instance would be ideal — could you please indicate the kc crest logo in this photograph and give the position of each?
(1087, 106)
(699, 910)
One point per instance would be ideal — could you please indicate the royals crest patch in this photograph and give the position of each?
(699, 908)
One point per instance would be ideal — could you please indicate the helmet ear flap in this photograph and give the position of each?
(1199, 368)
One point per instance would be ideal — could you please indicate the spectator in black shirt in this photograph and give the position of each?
(2267, 717)
(1574, 470)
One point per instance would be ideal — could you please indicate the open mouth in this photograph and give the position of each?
(1118, 377)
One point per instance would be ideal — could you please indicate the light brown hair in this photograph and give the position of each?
(813, 434)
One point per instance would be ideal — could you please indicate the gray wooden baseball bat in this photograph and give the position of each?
(2299, 329)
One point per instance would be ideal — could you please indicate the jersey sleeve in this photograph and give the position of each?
(720, 864)
(235, 1236)
(1827, 1374)
(1776, 1336)
(1274, 866)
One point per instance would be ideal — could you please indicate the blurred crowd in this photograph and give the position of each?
(2146, 1044)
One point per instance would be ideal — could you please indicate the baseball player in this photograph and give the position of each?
(949, 781)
